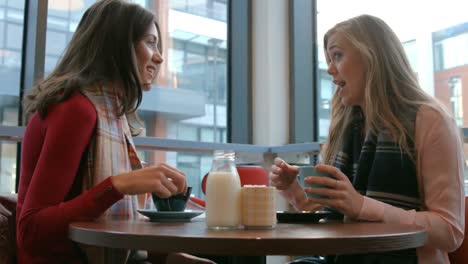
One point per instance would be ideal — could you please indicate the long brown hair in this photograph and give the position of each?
(391, 87)
(102, 50)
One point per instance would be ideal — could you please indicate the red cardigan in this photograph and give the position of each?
(50, 195)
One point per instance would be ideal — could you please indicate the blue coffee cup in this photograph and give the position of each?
(307, 171)
(174, 203)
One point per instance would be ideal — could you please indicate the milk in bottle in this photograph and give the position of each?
(223, 192)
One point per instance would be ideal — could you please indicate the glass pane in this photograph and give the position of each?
(63, 17)
(16, 4)
(195, 75)
(8, 167)
(190, 94)
(11, 38)
(436, 44)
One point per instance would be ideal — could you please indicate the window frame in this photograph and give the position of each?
(303, 71)
(239, 119)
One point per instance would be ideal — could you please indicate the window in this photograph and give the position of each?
(456, 101)
(190, 94)
(214, 9)
(436, 44)
(11, 39)
(450, 47)
(441, 33)
(62, 19)
(195, 48)
(325, 93)
(410, 49)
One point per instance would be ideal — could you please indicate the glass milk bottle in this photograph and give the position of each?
(223, 192)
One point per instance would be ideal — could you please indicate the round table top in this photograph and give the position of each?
(285, 239)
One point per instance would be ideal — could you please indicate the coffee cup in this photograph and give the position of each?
(174, 203)
(307, 171)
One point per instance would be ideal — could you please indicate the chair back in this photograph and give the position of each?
(461, 254)
(248, 174)
(8, 228)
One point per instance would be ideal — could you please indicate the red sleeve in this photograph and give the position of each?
(44, 216)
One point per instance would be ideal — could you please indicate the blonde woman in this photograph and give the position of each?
(396, 155)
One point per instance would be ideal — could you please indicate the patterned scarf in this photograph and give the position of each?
(381, 170)
(111, 151)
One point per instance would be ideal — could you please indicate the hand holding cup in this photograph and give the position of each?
(306, 173)
(173, 203)
(339, 192)
(162, 179)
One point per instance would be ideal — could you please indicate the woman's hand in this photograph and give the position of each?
(162, 179)
(340, 192)
(282, 174)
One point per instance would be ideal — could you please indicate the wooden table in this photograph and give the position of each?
(285, 239)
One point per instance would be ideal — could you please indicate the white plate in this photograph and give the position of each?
(157, 216)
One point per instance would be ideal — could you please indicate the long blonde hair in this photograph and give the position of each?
(391, 87)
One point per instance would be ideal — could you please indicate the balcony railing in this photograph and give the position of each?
(15, 134)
